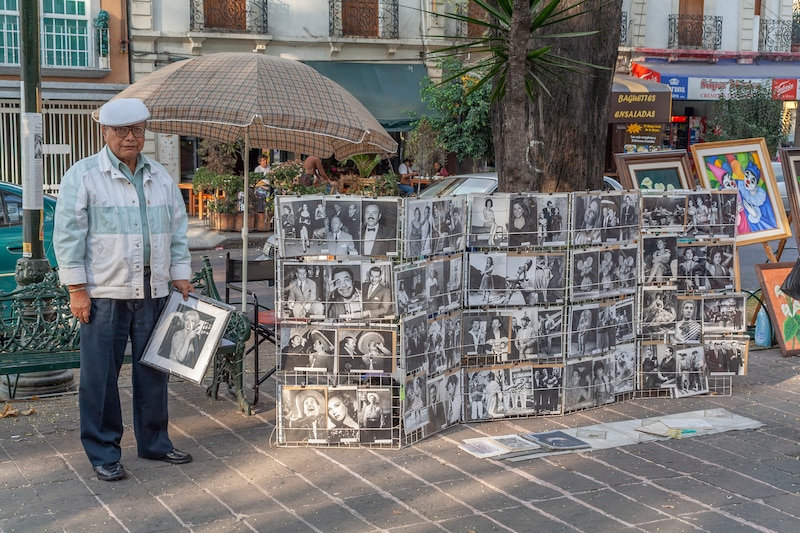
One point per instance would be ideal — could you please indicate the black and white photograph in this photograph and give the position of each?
(701, 216)
(726, 354)
(304, 225)
(347, 212)
(486, 278)
(666, 365)
(629, 216)
(301, 290)
(726, 202)
(418, 229)
(453, 293)
(621, 318)
(547, 389)
(490, 215)
(485, 399)
(303, 417)
(624, 367)
(578, 385)
(659, 311)
(375, 416)
(724, 313)
(342, 410)
(518, 394)
(627, 268)
(473, 342)
(414, 330)
(452, 340)
(447, 228)
(379, 229)
(404, 281)
(343, 297)
(692, 269)
(534, 279)
(659, 259)
(585, 274)
(522, 222)
(552, 219)
(610, 221)
(583, 330)
(187, 335)
(603, 390)
(692, 372)
(536, 333)
(454, 401)
(721, 266)
(377, 349)
(307, 348)
(437, 410)
(434, 284)
(586, 218)
(497, 337)
(415, 408)
(377, 293)
(689, 322)
(663, 213)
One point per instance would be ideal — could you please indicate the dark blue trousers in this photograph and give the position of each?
(103, 343)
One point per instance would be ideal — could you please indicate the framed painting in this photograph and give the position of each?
(790, 163)
(744, 165)
(781, 307)
(187, 335)
(656, 171)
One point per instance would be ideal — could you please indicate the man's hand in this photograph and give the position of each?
(80, 305)
(184, 286)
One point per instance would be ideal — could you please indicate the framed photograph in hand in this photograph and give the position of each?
(187, 335)
(656, 171)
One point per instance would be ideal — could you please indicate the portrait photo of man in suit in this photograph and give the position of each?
(339, 241)
(379, 234)
(302, 296)
(377, 295)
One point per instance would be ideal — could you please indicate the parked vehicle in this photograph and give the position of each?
(11, 232)
(484, 182)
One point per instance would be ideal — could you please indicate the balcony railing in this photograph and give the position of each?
(229, 16)
(375, 19)
(695, 32)
(624, 30)
(775, 35)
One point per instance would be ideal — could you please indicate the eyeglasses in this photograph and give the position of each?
(122, 131)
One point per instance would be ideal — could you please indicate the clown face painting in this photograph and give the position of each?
(743, 166)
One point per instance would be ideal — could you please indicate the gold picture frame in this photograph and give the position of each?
(657, 171)
(744, 165)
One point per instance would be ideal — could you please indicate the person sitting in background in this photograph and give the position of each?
(406, 171)
(263, 165)
(439, 170)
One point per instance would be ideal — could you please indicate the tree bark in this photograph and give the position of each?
(557, 142)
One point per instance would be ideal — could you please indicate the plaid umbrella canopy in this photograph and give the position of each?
(267, 101)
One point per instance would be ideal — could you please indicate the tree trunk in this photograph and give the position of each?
(557, 142)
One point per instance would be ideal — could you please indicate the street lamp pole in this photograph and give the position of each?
(33, 265)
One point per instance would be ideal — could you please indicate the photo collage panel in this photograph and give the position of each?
(337, 226)
(603, 271)
(320, 349)
(598, 327)
(513, 279)
(433, 286)
(512, 390)
(590, 383)
(690, 215)
(518, 221)
(680, 369)
(431, 344)
(432, 403)
(605, 218)
(347, 291)
(335, 415)
(434, 227)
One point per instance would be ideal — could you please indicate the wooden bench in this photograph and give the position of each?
(38, 333)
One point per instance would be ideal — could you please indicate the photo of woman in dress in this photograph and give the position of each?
(720, 268)
(521, 226)
(660, 254)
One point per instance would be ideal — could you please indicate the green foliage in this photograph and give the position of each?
(364, 163)
(748, 112)
(424, 146)
(220, 158)
(461, 114)
(101, 23)
(496, 45)
(284, 179)
(230, 185)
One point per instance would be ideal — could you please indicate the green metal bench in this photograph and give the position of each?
(38, 333)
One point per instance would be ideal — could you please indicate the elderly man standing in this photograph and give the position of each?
(120, 238)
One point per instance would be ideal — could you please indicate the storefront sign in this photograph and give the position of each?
(784, 89)
(679, 85)
(644, 134)
(639, 102)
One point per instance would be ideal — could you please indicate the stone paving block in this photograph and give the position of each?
(788, 503)
(98, 519)
(592, 465)
(284, 522)
(11, 477)
(229, 525)
(737, 483)
(632, 511)
(701, 492)
(765, 516)
(712, 521)
(193, 505)
(660, 499)
(769, 475)
(39, 522)
(432, 503)
(582, 517)
(386, 513)
(20, 503)
(640, 460)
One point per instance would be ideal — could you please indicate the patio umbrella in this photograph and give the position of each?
(265, 100)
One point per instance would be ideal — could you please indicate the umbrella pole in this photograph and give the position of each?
(245, 229)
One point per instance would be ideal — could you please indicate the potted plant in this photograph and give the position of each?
(101, 25)
(364, 164)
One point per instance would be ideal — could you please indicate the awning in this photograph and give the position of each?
(637, 100)
(390, 91)
(692, 80)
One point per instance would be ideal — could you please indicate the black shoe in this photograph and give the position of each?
(176, 457)
(110, 472)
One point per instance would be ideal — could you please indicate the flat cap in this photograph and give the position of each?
(123, 112)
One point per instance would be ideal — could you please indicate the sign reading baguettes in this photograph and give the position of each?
(636, 100)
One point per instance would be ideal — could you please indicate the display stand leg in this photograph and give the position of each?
(773, 257)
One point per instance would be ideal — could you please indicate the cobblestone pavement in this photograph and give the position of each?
(239, 481)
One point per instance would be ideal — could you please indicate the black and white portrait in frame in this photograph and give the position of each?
(185, 335)
(726, 354)
(303, 415)
(578, 385)
(476, 324)
(724, 313)
(310, 226)
(692, 376)
(586, 223)
(418, 228)
(378, 351)
(608, 271)
(343, 296)
(727, 202)
(414, 330)
(659, 311)
(485, 399)
(377, 292)
(379, 230)
(437, 411)
(301, 290)
(692, 269)
(525, 338)
(622, 317)
(663, 213)
(552, 220)
(454, 401)
(489, 220)
(629, 216)
(518, 394)
(308, 348)
(583, 330)
(415, 413)
(721, 265)
(701, 216)
(522, 222)
(343, 419)
(689, 323)
(404, 281)
(603, 390)
(624, 367)
(660, 259)
(434, 284)
(610, 222)
(348, 210)
(375, 415)
(486, 278)
(547, 389)
(534, 279)
(452, 295)
(585, 274)
(627, 269)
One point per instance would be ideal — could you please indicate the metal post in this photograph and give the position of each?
(33, 265)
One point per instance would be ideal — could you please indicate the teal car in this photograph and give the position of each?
(11, 232)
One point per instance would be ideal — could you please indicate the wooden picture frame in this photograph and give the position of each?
(656, 171)
(790, 162)
(174, 351)
(732, 165)
(786, 327)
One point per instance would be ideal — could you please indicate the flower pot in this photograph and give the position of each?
(102, 63)
(223, 221)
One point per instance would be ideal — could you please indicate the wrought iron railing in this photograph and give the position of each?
(624, 30)
(775, 35)
(376, 19)
(695, 32)
(229, 17)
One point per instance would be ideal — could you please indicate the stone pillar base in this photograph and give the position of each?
(39, 383)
